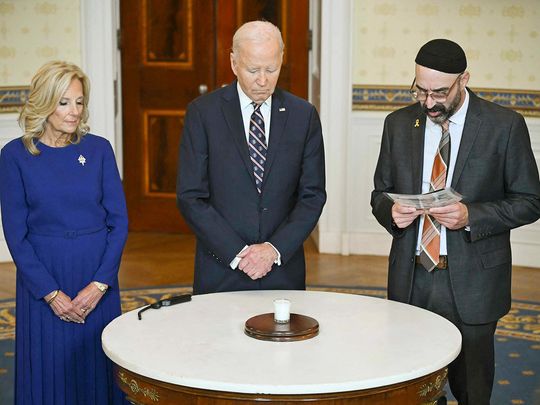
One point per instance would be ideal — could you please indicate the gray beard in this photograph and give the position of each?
(446, 113)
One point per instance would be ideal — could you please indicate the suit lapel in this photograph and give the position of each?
(233, 117)
(470, 132)
(278, 120)
(418, 131)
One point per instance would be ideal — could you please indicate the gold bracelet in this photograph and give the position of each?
(50, 300)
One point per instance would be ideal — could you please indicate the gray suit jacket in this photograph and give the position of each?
(495, 172)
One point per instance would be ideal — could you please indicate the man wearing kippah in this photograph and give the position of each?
(456, 260)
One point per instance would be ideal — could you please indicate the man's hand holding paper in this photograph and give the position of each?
(454, 216)
(443, 205)
(404, 215)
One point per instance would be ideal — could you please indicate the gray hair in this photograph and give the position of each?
(258, 31)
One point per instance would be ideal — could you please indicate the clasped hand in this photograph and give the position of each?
(76, 310)
(257, 260)
(454, 216)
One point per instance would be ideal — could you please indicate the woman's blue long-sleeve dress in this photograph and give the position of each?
(65, 222)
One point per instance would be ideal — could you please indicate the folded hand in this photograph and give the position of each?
(257, 260)
(64, 308)
(87, 299)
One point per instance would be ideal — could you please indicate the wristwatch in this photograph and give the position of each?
(102, 287)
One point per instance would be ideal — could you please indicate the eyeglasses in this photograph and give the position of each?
(439, 96)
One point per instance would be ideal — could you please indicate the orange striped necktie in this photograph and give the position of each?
(430, 245)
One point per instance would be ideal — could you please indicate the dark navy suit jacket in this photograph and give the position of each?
(217, 196)
(496, 173)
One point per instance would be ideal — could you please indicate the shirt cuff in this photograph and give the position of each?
(278, 260)
(234, 263)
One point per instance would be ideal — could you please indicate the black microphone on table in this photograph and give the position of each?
(166, 302)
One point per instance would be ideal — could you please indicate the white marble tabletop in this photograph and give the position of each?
(363, 342)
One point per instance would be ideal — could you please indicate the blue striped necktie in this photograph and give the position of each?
(257, 145)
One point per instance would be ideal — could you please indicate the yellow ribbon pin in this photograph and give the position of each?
(417, 123)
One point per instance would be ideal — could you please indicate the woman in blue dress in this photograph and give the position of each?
(65, 222)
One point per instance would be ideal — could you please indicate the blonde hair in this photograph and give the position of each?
(46, 89)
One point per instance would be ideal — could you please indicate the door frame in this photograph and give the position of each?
(100, 57)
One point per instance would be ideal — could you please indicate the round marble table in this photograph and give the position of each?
(368, 349)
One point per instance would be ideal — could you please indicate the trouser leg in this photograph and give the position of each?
(471, 374)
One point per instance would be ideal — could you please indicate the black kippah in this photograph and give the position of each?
(442, 55)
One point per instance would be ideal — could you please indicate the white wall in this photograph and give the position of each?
(33, 32)
(500, 37)
(335, 111)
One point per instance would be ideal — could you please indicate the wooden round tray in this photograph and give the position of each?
(299, 327)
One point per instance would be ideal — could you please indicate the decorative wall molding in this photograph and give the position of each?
(386, 98)
(12, 98)
(380, 98)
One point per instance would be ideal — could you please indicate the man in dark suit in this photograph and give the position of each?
(251, 177)
(482, 150)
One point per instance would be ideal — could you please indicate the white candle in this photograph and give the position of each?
(282, 310)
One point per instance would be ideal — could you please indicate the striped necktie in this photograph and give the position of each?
(431, 232)
(257, 144)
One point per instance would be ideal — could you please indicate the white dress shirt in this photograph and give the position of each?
(432, 138)
(247, 109)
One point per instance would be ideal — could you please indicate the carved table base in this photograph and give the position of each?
(143, 391)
